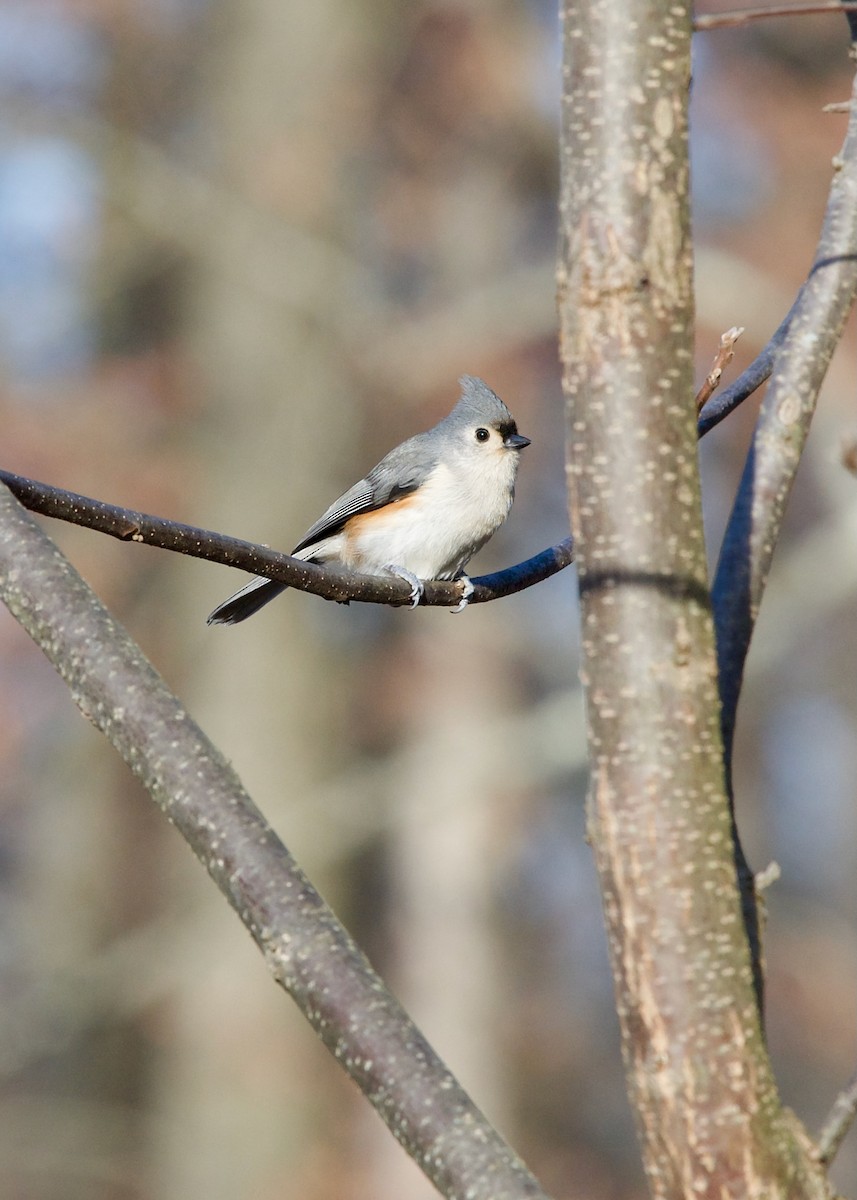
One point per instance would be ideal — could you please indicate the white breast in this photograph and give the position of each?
(435, 530)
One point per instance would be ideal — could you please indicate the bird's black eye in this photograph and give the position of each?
(482, 435)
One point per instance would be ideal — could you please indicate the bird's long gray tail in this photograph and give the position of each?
(243, 604)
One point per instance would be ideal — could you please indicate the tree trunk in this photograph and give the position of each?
(708, 1113)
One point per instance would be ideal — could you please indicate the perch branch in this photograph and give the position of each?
(307, 950)
(332, 583)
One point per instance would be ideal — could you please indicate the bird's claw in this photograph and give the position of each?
(416, 584)
(467, 590)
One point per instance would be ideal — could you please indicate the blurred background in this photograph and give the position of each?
(245, 248)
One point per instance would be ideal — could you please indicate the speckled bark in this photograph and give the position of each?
(709, 1117)
(307, 951)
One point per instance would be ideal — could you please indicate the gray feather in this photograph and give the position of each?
(253, 596)
(356, 500)
(398, 473)
(478, 404)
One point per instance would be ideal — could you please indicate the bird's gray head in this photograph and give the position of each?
(481, 421)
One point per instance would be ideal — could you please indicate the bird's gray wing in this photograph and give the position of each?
(398, 473)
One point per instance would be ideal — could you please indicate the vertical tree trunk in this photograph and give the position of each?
(709, 1117)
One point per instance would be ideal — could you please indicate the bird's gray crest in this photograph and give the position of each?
(479, 403)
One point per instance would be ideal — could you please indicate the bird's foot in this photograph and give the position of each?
(467, 590)
(417, 585)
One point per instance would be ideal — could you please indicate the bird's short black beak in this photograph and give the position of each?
(515, 441)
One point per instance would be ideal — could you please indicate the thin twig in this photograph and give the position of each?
(306, 949)
(749, 381)
(704, 22)
(767, 876)
(332, 583)
(722, 359)
(836, 1126)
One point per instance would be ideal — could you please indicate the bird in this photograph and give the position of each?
(422, 512)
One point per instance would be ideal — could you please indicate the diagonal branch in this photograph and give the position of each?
(332, 583)
(814, 328)
(307, 951)
(836, 1126)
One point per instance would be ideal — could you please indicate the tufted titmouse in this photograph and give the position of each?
(426, 508)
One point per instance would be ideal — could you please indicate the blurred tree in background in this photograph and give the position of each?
(245, 249)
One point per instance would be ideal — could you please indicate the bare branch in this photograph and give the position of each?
(332, 583)
(812, 330)
(838, 1123)
(307, 951)
(797, 355)
(704, 22)
(722, 359)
